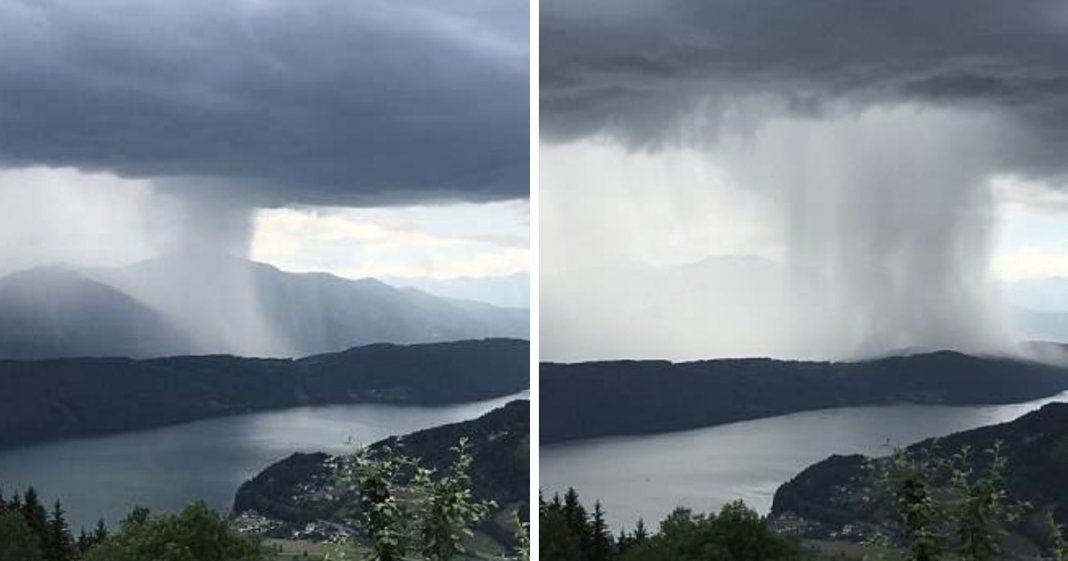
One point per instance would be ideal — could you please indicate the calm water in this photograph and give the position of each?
(648, 476)
(168, 467)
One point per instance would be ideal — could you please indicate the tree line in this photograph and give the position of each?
(30, 532)
(569, 532)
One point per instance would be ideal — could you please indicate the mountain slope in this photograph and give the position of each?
(593, 399)
(838, 491)
(293, 492)
(748, 306)
(1048, 294)
(190, 303)
(53, 312)
(249, 308)
(1042, 325)
(508, 291)
(51, 399)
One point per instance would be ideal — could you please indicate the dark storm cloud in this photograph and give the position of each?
(328, 102)
(640, 69)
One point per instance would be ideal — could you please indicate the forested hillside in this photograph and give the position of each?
(295, 492)
(592, 399)
(50, 399)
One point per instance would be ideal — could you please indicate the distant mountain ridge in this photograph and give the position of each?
(507, 291)
(59, 398)
(59, 312)
(595, 399)
(204, 303)
(1047, 294)
(738, 305)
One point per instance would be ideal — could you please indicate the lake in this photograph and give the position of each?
(648, 476)
(168, 467)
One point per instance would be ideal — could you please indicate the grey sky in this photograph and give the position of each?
(882, 153)
(319, 102)
(316, 135)
(642, 70)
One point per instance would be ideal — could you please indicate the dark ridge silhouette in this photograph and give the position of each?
(595, 399)
(52, 399)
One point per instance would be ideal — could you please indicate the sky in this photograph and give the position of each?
(361, 138)
(896, 161)
(1033, 238)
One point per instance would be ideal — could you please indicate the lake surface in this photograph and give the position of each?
(648, 476)
(166, 468)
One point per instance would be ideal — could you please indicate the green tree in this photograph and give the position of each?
(978, 508)
(600, 538)
(196, 533)
(747, 536)
(100, 533)
(84, 542)
(34, 512)
(945, 505)
(640, 534)
(445, 510)
(376, 481)
(737, 533)
(58, 543)
(556, 540)
(522, 536)
(17, 540)
(1058, 545)
(911, 484)
(404, 507)
(577, 522)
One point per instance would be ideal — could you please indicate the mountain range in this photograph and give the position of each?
(508, 291)
(738, 305)
(205, 303)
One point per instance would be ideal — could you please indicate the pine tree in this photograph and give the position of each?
(577, 522)
(100, 533)
(58, 545)
(84, 542)
(600, 539)
(623, 542)
(640, 533)
(556, 541)
(35, 514)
